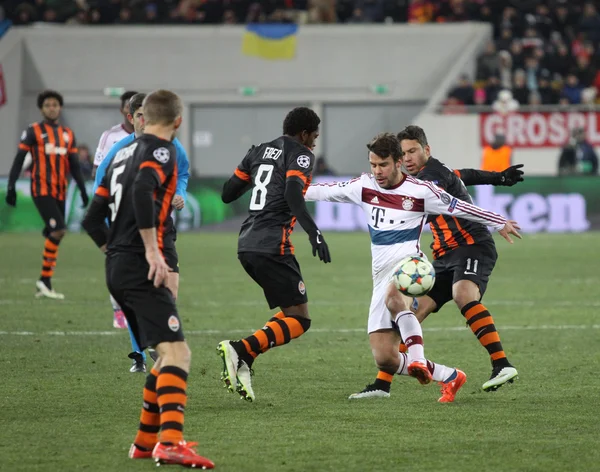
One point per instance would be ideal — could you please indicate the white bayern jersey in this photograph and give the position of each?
(396, 216)
(108, 139)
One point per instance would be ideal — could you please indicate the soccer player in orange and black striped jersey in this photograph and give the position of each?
(137, 192)
(54, 153)
(278, 173)
(464, 252)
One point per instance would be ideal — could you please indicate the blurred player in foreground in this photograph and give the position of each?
(137, 194)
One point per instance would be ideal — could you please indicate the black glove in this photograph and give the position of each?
(319, 246)
(11, 196)
(511, 176)
(84, 199)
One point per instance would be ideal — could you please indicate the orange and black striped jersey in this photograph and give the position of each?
(139, 186)
(50, 146)
(267, 167)
(450, 232)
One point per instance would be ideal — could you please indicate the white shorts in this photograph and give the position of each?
(379, 316)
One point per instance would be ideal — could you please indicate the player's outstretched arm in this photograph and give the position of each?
(507, 178)
(94, 221)
(439, 202)
(343, 192)
(294, 190)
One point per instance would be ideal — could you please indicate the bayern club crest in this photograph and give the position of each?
(407, 204)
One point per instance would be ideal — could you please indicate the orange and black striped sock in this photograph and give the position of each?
(278, 331)
(171, 387)
(383, 381)
(49, 260)
(147, 435)
(482, 324)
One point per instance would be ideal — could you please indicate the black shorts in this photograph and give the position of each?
(474, 262)
(279, 277)
(52, 212)
(169, 250)
(150, 311)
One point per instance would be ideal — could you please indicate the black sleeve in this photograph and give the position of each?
(240, 181)
(294, 196)
(234, 188)
(94, 221)
(433, 176)
(478, 177)
(146, 181)
(15, 170)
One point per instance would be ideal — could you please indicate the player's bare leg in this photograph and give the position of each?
(44, 284)
(384, 347)
(238, 356)
(466, 295)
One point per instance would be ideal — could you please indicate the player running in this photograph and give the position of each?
(396, 206)
(278, 172)
(137, 194)
(54, 153)
(107, 140)
(136, 116)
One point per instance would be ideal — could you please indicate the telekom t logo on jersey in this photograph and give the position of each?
(375, 216)
(272, 153)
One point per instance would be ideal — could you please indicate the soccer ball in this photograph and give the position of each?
(414, 276)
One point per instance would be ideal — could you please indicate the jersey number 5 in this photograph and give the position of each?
(116, 190)
(259, 192)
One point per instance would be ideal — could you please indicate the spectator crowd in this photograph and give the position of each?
(205, 11)
(543, 51)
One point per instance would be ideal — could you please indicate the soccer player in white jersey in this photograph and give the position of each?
(108, 139)
(112, 136)
(396, 206)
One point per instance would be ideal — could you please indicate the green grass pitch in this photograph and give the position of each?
(68, 402)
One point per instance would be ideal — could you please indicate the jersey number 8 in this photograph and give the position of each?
(259, 192)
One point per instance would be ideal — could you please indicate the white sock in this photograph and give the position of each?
(440, 373)
(115, 305)
(403, 369)
(411, 333)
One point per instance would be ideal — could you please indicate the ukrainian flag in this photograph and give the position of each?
(270, 41)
